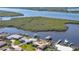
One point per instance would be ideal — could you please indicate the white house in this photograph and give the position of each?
(14, 36)
(25, 40)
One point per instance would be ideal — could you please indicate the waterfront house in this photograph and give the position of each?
(25, 40)
(2, 43)
(14, 36)
(41, 44)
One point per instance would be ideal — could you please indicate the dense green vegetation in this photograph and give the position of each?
(7, 13)
(17, 42)
(76, 49)
(28, 47)
(57, 9)
(38, 24)
(54, 9)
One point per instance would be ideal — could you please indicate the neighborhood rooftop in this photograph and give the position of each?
(16, 36)
(19, 42)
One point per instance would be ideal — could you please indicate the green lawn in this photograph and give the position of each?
(28, 47)
(17, 42)
(38, 23)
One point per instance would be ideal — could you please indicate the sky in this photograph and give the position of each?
(38, 3)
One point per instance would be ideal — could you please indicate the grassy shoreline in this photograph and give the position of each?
(9, 14)
(38, 24)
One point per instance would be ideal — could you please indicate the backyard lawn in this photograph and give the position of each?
(17, 42)
(28, 47)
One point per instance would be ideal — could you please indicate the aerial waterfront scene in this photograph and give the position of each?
(39, 29)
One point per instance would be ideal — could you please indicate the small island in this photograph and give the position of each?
(38, 23)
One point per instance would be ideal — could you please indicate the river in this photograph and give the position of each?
(29, 13)
(72, 34)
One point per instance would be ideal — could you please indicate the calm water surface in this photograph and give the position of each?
(72, 34)
(29, 13)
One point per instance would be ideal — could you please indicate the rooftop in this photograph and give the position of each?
(41, 44)
(16, 36)
(25, 40)
(2, 43)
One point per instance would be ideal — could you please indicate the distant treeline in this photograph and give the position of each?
(62, 9)
(55, 9)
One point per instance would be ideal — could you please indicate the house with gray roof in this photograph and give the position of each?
(25, 40)
(14, 36)
(2, 43)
